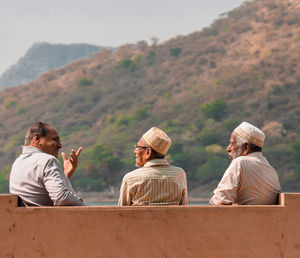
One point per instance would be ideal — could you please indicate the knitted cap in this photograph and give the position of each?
(251, 134)
(157, 140)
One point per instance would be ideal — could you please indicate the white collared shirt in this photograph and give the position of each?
(248, 180)
(39, 179)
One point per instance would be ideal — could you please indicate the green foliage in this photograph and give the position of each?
(15, 141)
(141, 113)
(214, 167)
(230, 125)
(100, 164)
(10, 104)
(20, 110)
(168, 94)
(151, 57)
(175, 51)
(177, 107)
(276, 89)
(137, 58)
(261, 76)
(122, 120)
(4, 179)
(128, 64)
(296, 155)
(217, 109)
(217, 82)
(172, 126)
(214, 148)
(88, 184)
(85, 82)
(207, 136)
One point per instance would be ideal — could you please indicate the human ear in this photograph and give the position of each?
(36, 137)
(148, 153)
(246, 148)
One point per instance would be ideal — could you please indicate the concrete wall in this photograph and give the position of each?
(193, 231)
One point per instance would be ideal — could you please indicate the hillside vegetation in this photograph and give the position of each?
(198, 88)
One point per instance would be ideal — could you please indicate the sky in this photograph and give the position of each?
(100, 22)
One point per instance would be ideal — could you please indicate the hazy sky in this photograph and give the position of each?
(105, 23)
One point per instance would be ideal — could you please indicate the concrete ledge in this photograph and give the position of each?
(168, 231)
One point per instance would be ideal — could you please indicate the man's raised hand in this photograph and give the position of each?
(70, 164)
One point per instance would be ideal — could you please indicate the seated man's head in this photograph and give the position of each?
(44, 137)
(154, 144)
(244, 140)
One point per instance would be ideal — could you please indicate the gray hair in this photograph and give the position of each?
(240, 142)
(40, 128)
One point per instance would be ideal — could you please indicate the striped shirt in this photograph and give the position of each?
(248, 180)
(156, 183)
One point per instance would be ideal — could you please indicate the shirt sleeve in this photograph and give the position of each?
(226, 192)
(184, 199)
(58, 186)
(124, 199)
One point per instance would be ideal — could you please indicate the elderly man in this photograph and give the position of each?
(37, 176)
(249, 179)
(156, 182)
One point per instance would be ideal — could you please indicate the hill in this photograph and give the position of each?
(244, 67)
(42, 57)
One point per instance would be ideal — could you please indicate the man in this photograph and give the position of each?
(156, 182)
(37, 176)
(249, 179)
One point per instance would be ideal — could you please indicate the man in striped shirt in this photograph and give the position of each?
(156, 182)
(249, 179)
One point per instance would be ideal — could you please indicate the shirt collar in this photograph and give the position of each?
(156, 162)
(255, 154)
(30, 149)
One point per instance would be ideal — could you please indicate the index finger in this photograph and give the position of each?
(78, 151)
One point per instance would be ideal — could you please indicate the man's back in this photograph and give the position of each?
(248, 180)
(259, 183)
(157, 183)
(39, 180)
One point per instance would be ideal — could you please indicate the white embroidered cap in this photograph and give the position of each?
(251, 134)
(157, 140)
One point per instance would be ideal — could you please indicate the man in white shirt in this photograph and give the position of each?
(249, 179)
(37, 176)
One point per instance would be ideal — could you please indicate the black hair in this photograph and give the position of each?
(37, 128)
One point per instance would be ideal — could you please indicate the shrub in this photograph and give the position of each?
(128, 64)
(177, 108)
(175, 51)
(230, 125)
(20, 110)
(85, 82)
(10, 104)
(296, 155)
(276, 89)
(217, 109)
(151, 57)
(168, 94)
(141, 113)
(217, 82)
(207, 137)
(88, 184)
(212, 168)
(123, 120)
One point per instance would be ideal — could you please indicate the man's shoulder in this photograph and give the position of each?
(144, 172)
(135, 172)
(39, 158)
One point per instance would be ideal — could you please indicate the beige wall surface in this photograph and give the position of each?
(192, 231)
